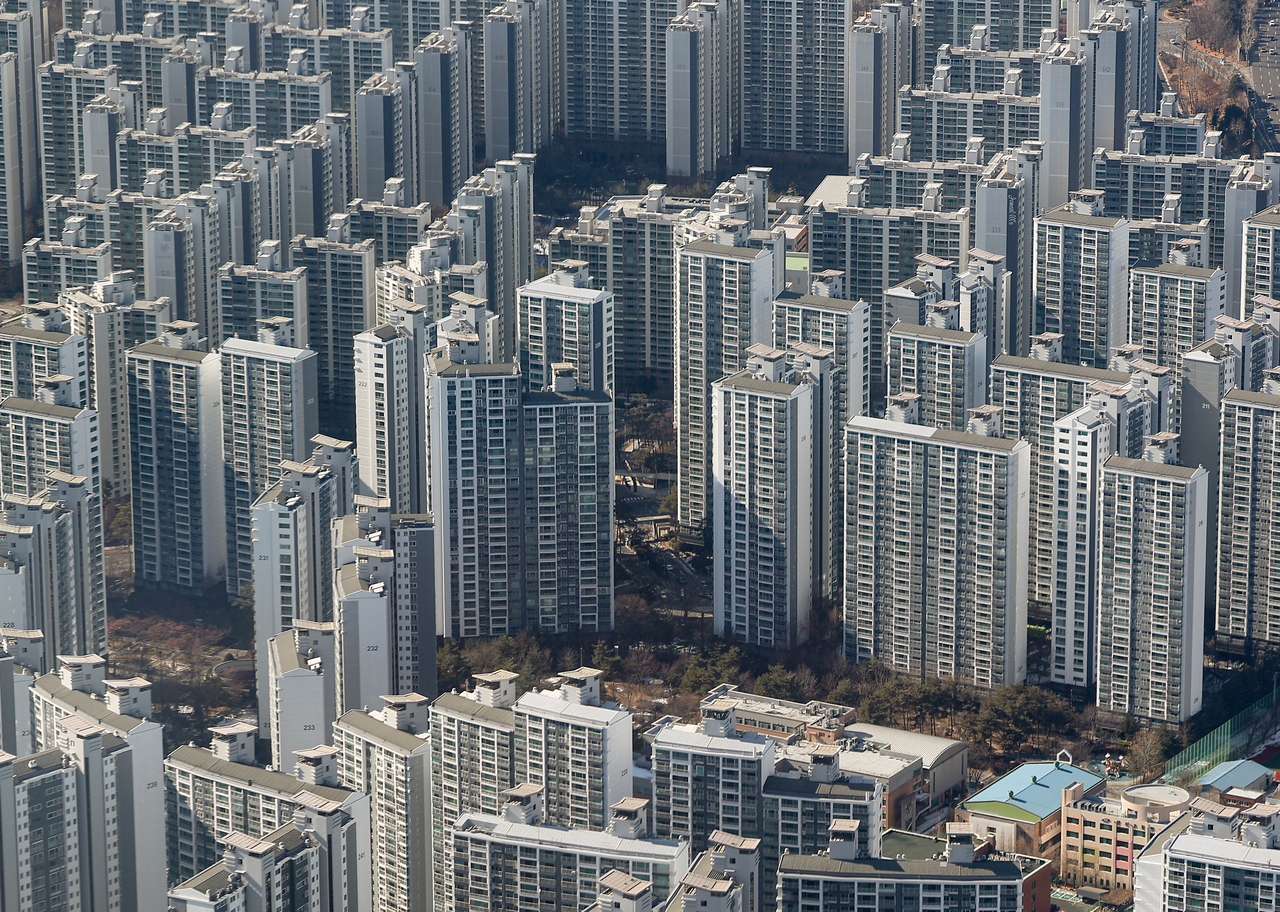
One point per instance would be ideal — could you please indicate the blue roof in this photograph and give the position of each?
(1234, 774)
(1042, 797)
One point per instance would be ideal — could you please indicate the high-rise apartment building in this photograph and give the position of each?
(944, 365)
(301, 690)
(386, 132)
(351, 52)
(387, 754)
(844, 328)
(445, 84)
(875, 248)
(493, 218)
(53, 543)
(247, 294)
(388, 415)
(725, 768)
(1013, 25)
(486, 586)
(1082, 278)
(722, 307)
(65, 91)
(950, 599)
(565, 320)
(269, 414)
(50, 268)
(472, 763)
(217, 791)
(79, 696)
(879, 65)
(112, 319)
(1034, 393)
(518, 60)
(340, 304)
(1174, 306)
(384, 603)
(1151, 584)
(622, 863)
(793, 76)
(772, 432)
(576, 747)
(1248, 607)
(700, 76)
(275, 103)
(293, 546)
(178, 485)
(45, 435)
(72, 830)
(1113, 421)
(39, 344)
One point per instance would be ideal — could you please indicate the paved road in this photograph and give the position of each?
(1265, 68)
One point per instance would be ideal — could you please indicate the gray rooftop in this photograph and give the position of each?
(380, 731)
(197, 759)
(458, 705)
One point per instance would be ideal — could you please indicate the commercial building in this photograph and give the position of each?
(1022, 811)
(1102, 837)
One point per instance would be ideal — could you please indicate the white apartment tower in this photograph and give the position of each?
(1114, 421)
(301, 691)
(388, 415)
(564, 319)
(293, 559)
(768, 424)
(1151, 639)
(472, 762)
(1174, 306)
(701, 123)
(950, 599)
(178, 487)
(341, 290)
(52, 544)
(443, 65)
(944, 365)
(269, 414)
(518, 60)
(112, 319)
(47, 434)
(793, 76)
(879, 65)
(247, 294)
(576, 747)
(1260, 273)
(1248, 608)
(844, 328)
(79, 697)
(722, 306)
(1034, 393)
(387, 754)
(72, 829)
(1082, 278)
(709, 758)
